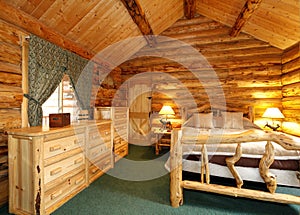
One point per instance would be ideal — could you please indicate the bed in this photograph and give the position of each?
(228, 144)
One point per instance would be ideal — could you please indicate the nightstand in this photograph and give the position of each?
(163, 138)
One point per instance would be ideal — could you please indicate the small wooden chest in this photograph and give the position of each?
(59, 119)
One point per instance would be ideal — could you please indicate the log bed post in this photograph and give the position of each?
(264, 165)
(176, 190)
(230, 161)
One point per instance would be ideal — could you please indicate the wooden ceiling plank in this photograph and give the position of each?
(138, 15)
(163, 14)
(32, 25)
(268, 36)
(42, 8)
(189, 8)
(246, 12)
(292, 30)
(110, 28)
(94, 21)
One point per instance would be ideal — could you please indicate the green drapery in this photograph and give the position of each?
(47, 65)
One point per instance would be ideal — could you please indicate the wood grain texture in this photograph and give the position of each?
(245, 14)
(138, 15)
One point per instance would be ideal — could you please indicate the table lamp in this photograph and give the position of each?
(166, 110)
(273, 113)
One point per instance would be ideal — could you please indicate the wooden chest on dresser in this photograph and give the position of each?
(120, 120)
(47, 167)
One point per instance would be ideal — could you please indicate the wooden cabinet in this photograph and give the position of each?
(49, 166)
(99, 153)
(119, 117)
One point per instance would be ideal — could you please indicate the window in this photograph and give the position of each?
(62, 100)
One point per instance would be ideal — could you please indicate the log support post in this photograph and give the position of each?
(204, 165)
(264, 165)
(230, 163)
(176, 190)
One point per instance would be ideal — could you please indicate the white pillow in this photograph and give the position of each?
(203, 120)
(233, 120)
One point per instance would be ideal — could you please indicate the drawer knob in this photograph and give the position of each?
(56, 194)
(55, 148)
(56, 171)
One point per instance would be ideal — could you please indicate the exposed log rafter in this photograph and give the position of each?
(138, 15)
(34, 26)
(189, 8)
(246, 12)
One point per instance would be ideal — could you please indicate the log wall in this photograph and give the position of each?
(248, 70)
(109, 89)
(291, 89)
(11, 95)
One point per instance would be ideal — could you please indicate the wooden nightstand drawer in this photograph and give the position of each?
(63, 145)
(62, 167)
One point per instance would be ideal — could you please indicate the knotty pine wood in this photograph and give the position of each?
(290, 89)
(248, 70)
(265, 23)
(11, 94)
(245, 14)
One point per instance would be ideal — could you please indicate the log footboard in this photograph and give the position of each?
(177, 184)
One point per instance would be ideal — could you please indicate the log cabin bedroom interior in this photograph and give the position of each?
(88, 88)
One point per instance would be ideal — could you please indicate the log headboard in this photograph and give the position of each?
(207, 108)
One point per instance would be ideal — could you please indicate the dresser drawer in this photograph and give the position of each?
(121, 152)
(62, 167)
(99, 135)
(64, 189)
(99, 167)
(120, 116)
(99, 150)
(120, 143)
(62, 145)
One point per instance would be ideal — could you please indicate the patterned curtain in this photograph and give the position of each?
(47, 65)
(80, 72)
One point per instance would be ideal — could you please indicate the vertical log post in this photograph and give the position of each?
(264, 165)
(230, 163)
(176, 191)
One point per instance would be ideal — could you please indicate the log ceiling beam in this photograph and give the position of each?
(32, 25)
(138, 15)
(246, 12)
(189, 8)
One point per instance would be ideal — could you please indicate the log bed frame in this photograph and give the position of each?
(177, 183)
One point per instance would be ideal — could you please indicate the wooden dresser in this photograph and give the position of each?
(120, 121)
(47, 167)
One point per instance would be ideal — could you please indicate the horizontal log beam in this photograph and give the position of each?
(237, 192)
(247, 11)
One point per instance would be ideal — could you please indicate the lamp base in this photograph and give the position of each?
(274, 128)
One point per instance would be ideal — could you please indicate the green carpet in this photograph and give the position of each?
(110, 195)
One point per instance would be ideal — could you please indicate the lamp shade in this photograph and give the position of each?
(273, 113)
(166, 110)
